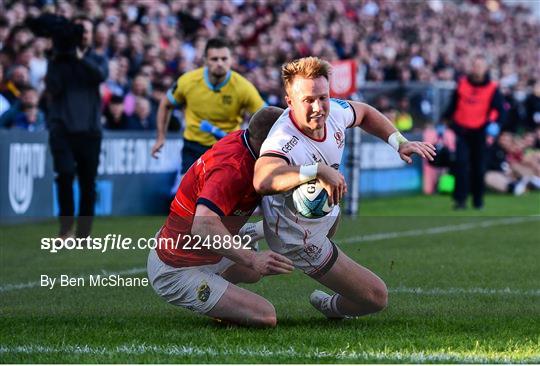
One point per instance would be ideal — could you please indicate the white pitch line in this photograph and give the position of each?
(173, 350)
(437, 230)
(461, 291)
(361, 239)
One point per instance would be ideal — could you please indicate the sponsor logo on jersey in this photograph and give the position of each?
(290, 145)
(340, 139)
(316, 158)
(226, 99)
(341, 102)
(241, 213)
(203, 292)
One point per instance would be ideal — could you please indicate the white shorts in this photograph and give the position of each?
(302, 240)
(197, 288)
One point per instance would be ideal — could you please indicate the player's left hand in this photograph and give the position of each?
(424, 149)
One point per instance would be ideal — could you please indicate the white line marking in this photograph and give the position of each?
(461, 291)
(369, 238)
(437, 230)
(173, 350)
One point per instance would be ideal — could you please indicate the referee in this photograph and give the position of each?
(215, 100)
(475, 97)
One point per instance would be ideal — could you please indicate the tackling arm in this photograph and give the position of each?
(207, 223)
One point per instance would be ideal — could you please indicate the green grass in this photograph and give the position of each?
(459, 321)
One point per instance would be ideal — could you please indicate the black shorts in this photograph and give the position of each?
(190, 153)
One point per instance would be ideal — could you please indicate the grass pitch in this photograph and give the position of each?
(464, 287)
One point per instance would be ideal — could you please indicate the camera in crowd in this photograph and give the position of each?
(66, 36)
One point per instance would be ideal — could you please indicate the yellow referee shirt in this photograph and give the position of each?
(222, 105)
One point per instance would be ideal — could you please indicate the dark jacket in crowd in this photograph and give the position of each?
(532, 105)
(74, 103)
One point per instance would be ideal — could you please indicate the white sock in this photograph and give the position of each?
(535, 181)
(326, 304)
(254, 229)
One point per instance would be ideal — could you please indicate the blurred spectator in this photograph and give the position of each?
(532, 108)
(403, 119)
(117, 82)
(114, 116)
(4, 31)
(139, 88)
(30, 118)
(142, 118)
(476, 95)
(16, 78)
(501, 176)
(38, 64)
(390, 40)
(4, 103)
(28, 99)
(383, 104)
(101, 39)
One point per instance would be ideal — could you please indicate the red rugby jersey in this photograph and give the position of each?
(222, 180)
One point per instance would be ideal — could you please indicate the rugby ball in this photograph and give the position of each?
(311, 200)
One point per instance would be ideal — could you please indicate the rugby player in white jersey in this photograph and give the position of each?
(305, 143)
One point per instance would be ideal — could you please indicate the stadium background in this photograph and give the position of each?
(407, 56)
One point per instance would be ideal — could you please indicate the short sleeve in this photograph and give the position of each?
(175, 94)
(342, 112)
(253, 101)
(224, 187)
(279, 145)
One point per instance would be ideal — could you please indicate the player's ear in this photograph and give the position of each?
(288, 101)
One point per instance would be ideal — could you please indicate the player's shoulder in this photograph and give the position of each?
(282, 135)
(193, 76)
(240, 80)
(231, 148)
(283, 125)
(338, 105)
(232, 155)
(341, 112)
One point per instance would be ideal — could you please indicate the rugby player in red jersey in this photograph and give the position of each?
(198, 267)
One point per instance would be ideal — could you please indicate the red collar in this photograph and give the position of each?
(298, 128)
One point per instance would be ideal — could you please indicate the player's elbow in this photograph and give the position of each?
(263, 186)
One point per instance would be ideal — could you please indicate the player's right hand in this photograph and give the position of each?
(271, 263)
(157, 147)
(333, 182)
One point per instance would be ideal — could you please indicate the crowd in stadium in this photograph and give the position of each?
(148, 44)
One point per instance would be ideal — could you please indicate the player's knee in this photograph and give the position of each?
(266, 316)
(378, 297)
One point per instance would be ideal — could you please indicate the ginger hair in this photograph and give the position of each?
(307, 67)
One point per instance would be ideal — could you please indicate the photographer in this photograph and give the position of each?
(74, 113)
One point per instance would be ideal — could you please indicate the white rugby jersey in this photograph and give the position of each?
(285, 229)
(287, 141)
